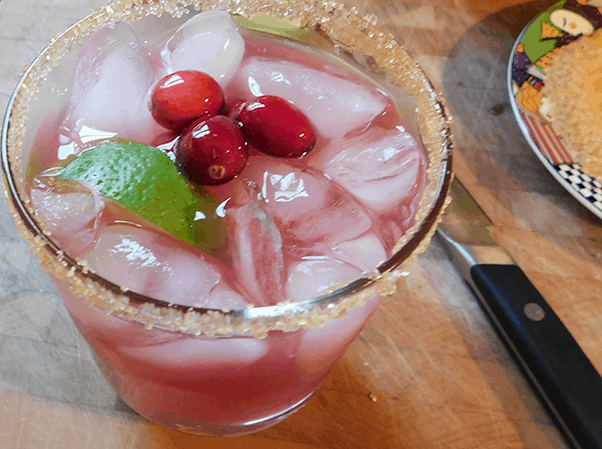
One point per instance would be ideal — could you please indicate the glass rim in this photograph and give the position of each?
(156, 312)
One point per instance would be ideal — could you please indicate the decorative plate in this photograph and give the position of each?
(533, 51)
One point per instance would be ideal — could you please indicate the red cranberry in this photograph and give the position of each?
(274, 126)
(212, 151)
(182, 97)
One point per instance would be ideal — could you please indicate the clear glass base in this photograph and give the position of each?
(235, 430)
(207, 429)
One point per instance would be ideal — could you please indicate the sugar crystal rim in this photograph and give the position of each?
(348, 31)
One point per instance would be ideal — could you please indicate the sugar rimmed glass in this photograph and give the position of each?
(213, 394)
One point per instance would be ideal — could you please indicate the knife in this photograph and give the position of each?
(549, 356)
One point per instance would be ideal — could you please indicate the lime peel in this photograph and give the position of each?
(274, 25)
(145, 180)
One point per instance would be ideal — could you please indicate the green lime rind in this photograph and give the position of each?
(144, 179)
(274, 25)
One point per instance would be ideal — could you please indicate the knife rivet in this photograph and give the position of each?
(534, 311)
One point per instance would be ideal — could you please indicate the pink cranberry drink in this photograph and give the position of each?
(301, 175)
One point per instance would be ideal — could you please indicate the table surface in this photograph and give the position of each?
(428, 371)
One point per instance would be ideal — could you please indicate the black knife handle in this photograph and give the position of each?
(553, 361)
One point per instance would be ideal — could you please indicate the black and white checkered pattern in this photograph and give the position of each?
(586, 186)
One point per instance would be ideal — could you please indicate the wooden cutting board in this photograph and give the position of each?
(428, 371)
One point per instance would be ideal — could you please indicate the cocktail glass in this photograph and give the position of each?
(225, 372)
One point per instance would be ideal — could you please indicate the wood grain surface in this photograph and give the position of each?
(428, 371)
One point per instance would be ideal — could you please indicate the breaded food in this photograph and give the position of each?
(573, 93)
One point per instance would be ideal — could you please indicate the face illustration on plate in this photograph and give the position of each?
(572, 23)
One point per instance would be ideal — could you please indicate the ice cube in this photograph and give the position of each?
(223, 298)
(313, 277)
(106, 331)
(321, 347)
(193, 281)
(323, 97)
(70, 211)
(111, 89)
(255, 246)
(209, 42)
(381, 168)
(202, 356)
(365, 252)
(310, 210)
(158, 265)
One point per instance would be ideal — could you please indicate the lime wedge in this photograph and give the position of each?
(145, 180)
(274, 25)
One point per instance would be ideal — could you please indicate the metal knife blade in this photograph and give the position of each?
(551, 359)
